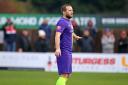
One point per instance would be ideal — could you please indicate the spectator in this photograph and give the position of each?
(107, 41)
(76, 28)
(41, 44)
(123, 42)
(87, 43)
(91, 28)
(77, 31)
(9, 36)
(24, 42)
(44, 26)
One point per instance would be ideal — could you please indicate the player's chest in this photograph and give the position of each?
(69, 28)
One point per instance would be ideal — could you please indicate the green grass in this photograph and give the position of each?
(49, 78)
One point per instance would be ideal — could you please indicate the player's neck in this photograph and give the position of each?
(66, 18)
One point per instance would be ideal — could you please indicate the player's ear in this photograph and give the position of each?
(64, 13)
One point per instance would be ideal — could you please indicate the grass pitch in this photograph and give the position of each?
(27, 77)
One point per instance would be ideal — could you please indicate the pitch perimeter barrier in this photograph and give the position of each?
(82, 62)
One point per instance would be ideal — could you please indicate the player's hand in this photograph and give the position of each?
(78, 37)
(58, 52)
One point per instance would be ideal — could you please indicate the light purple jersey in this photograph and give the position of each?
(64, 26)
(64, 62)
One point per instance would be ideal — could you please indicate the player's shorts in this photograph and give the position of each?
(64, 63)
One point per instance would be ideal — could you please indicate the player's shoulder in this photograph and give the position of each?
(61, 21)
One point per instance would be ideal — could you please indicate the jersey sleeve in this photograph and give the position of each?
(60, 26)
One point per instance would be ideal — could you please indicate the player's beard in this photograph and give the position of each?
(69, 16)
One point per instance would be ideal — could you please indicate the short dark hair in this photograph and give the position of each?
(63, 7)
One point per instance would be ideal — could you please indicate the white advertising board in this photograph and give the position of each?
(82, 62)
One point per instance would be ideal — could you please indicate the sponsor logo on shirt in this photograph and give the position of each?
(58, 28)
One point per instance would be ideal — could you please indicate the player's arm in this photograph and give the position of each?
(75, 36)
(57, 44)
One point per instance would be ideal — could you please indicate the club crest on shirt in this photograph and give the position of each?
(71, 27)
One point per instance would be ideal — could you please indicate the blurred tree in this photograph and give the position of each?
(114, 7)
(84, 6)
